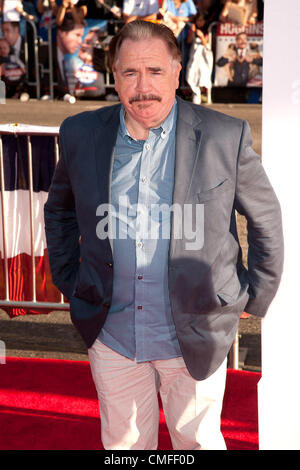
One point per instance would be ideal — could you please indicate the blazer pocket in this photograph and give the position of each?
(86, 288)
(230, 291)
(215, 192)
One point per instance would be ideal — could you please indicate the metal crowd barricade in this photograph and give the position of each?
(50, 68)
(8, 302)
(36, 82)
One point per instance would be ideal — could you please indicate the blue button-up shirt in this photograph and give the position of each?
(139, 323)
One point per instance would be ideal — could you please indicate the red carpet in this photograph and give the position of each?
(51, 404)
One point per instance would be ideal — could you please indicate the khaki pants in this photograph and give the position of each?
(129, 408)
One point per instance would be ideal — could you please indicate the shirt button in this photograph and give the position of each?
(163, 134)
(140, 278)
(140, 307)
(139, 244)
(147, 146)
(144, 179)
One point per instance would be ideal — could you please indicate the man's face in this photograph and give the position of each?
(146, 79)
(10, 33)
(241, 41)
(71, 40)
(4, 48)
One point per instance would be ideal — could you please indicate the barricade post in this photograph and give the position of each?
(36, 82)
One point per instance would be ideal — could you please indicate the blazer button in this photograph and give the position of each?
(110, 265)
(106, 305)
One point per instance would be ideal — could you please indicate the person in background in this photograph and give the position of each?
(247, 6)
(69, 9)
(28, 11)
(200, 64)
(197, 30)
(109, 9)
(9, 10)
(177, 13)
(47, 10)
(4, 50)
(11, 32)
(140, 9)
(12, 71)
(4, 55)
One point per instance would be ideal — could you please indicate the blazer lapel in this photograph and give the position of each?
(105, 136)
(188, 139)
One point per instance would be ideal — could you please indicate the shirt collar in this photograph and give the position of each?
(165, 128)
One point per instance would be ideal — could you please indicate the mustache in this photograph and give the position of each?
(140, 97)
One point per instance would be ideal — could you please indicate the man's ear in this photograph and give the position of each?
(178, 70)
(115, 76)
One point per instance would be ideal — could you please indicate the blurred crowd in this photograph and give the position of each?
(190, 20)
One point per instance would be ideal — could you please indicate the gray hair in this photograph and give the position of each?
(139, 30)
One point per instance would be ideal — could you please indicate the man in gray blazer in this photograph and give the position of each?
(141, 232)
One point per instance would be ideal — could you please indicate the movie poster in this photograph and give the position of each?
(82, 58)
(239, 55)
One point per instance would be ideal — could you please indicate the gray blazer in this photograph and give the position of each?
(209, 287)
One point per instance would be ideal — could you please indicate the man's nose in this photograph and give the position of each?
(143, 82)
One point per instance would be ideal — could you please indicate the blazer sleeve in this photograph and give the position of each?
(256, 200)
(62, 233)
